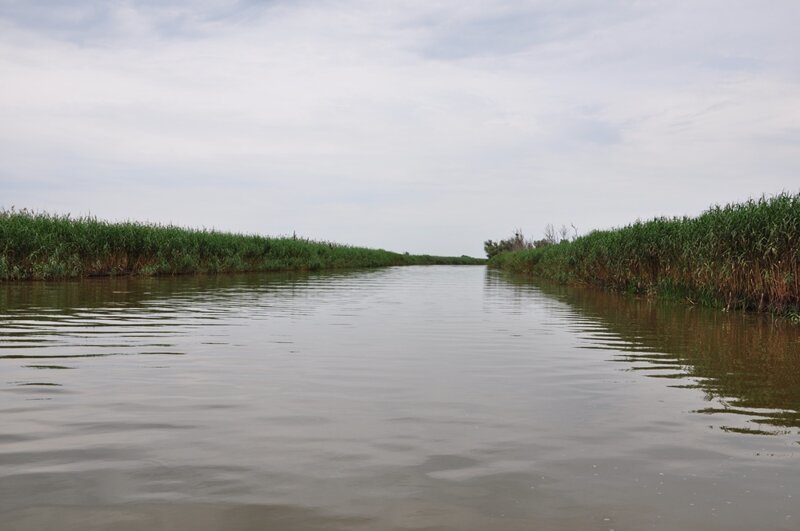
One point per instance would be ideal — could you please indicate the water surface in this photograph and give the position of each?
(404, 398)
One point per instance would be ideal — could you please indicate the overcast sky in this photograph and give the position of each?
(421, 126)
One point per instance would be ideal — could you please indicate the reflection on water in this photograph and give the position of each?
(745, 364)
(403, 398)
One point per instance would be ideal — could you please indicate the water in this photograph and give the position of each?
(403, 398)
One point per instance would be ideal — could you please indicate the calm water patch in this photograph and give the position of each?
(403, 398)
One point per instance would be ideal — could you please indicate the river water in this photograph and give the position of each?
(416, 398)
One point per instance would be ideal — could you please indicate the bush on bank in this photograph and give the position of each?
(742, 255)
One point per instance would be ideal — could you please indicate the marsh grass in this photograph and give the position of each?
(44, 246)
(737, 256)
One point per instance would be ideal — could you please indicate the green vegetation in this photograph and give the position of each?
(515, 243)
(44, 246)
(518, 242)
(744, 256)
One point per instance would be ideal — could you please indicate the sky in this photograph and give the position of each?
(422, 126)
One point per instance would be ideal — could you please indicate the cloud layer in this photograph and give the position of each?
(419, 126)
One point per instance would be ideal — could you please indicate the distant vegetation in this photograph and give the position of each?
(744, 255)
(44, 246)
(518, 242)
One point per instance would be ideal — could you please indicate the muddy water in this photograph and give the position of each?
(404, 398)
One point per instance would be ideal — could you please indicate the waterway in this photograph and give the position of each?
(413, 398)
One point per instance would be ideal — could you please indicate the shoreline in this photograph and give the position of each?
(743, 256)
(40, 246)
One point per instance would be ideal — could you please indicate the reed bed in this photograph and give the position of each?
(44, 246)
(738, 256)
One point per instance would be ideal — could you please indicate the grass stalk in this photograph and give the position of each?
(41, 246)
(738, 256)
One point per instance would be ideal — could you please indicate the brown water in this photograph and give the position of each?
(403, 398)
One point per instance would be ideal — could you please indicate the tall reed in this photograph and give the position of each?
(742, 255)
(44, 246)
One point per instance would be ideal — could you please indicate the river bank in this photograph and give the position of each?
(40, 246)
(738, 256)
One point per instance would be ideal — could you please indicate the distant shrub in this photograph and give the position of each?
(516, 243)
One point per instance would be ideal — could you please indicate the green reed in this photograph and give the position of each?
(45, 246)
(742, 255)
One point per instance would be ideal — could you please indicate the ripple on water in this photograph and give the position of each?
(403, 398)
